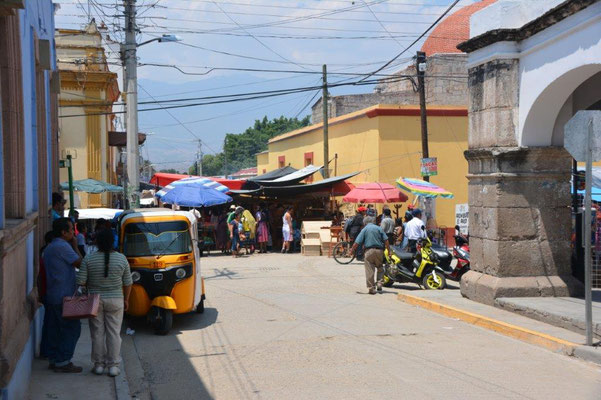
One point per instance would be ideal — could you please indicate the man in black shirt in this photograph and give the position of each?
(354, 228)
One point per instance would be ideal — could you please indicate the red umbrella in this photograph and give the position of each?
(375, 193)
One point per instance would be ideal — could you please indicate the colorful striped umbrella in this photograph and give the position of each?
(194, 180)
(422, 188)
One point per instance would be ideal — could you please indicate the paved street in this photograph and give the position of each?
(287, 326)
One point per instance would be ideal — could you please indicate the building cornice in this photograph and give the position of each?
(551, 17)
(378, 111)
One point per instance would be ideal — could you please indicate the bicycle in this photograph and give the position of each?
(342, 253)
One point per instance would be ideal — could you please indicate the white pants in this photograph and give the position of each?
(105, 330)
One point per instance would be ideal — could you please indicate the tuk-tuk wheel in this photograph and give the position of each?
(200, 308)
(162, 320)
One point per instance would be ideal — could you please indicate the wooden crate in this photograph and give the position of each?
(311, 247)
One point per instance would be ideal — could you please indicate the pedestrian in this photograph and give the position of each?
(234, 226)
(414, 230)
(81, 237)
(287, 230)
(399, 234)
(262, 227)
(354, 227)
(61, 258)
(387, 225)
(222, 232)
(106, 273)
(48, 238)
(58, 206)
(373, 238)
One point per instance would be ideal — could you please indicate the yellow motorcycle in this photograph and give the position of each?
(420, 268)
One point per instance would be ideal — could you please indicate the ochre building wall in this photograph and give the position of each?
(384, 143)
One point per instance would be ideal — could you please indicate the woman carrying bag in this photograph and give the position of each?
(106, 273)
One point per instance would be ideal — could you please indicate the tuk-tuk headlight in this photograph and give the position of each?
(180, 273)
(135, 276)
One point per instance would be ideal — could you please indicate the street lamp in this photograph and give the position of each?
(162, 39)
(131, 88)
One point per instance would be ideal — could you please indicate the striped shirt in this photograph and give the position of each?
(91, 274)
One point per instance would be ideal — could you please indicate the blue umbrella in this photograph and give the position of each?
(195, 195)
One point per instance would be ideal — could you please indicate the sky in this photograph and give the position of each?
(294, 38)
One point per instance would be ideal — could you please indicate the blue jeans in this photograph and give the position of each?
(62, 335)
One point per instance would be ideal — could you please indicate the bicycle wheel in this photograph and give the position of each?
(342, 253)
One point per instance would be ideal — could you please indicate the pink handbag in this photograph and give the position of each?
(79, 307)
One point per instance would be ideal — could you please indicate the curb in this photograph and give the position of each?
(525, 335)
(121, 384)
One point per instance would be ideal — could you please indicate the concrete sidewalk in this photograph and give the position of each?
(565, 312)
(47, 384)
(450, 303)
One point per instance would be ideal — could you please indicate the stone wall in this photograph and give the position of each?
(341, 105)
(446, 80)
(519, 198)
(446, 84)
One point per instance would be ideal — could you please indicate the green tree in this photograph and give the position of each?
(169, 171)
(239, 149)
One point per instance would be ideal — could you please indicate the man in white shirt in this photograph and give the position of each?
(415, 230)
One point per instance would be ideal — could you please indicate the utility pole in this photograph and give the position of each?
(133, 171)
(224, 158)
(324, 103)
(420, 67)
(199, 159)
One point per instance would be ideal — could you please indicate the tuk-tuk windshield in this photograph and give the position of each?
(156, 238)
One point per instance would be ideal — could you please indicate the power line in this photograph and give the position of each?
(415, 41)
(256, 39)
(393, 78)
(231, 100)
(237, 112)
(175, 118)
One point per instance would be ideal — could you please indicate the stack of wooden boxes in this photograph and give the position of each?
(311, 242)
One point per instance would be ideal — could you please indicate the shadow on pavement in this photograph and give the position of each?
(181, 322)
(221, 273)
(159, 367)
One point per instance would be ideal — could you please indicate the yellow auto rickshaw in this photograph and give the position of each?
(161, 246)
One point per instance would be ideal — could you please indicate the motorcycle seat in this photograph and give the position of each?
(403, 255)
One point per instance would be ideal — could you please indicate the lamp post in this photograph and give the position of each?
(131, 89)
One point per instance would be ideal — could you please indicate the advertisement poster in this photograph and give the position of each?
(429, 166)
(461, 217)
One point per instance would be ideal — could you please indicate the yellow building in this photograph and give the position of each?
(88, 89)
(384, 143)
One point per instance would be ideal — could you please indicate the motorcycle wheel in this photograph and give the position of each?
(387, 282)
(431, 284)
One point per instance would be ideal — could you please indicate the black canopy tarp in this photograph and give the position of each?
(275, 174)
(289, 179)
(295, 190)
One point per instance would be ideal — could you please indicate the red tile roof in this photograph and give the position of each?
(453, 30)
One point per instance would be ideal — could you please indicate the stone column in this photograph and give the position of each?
(520, 224)
(520, 221)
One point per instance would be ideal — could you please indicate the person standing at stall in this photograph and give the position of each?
(234, 226)
(354, 227)
(387, 225)
(414, 230)
(287, 230)
(262, 227)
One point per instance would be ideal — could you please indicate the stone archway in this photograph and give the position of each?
(575, 90)
(525, 83)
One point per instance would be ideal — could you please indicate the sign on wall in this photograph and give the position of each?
(462, 217)
(429, 166)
